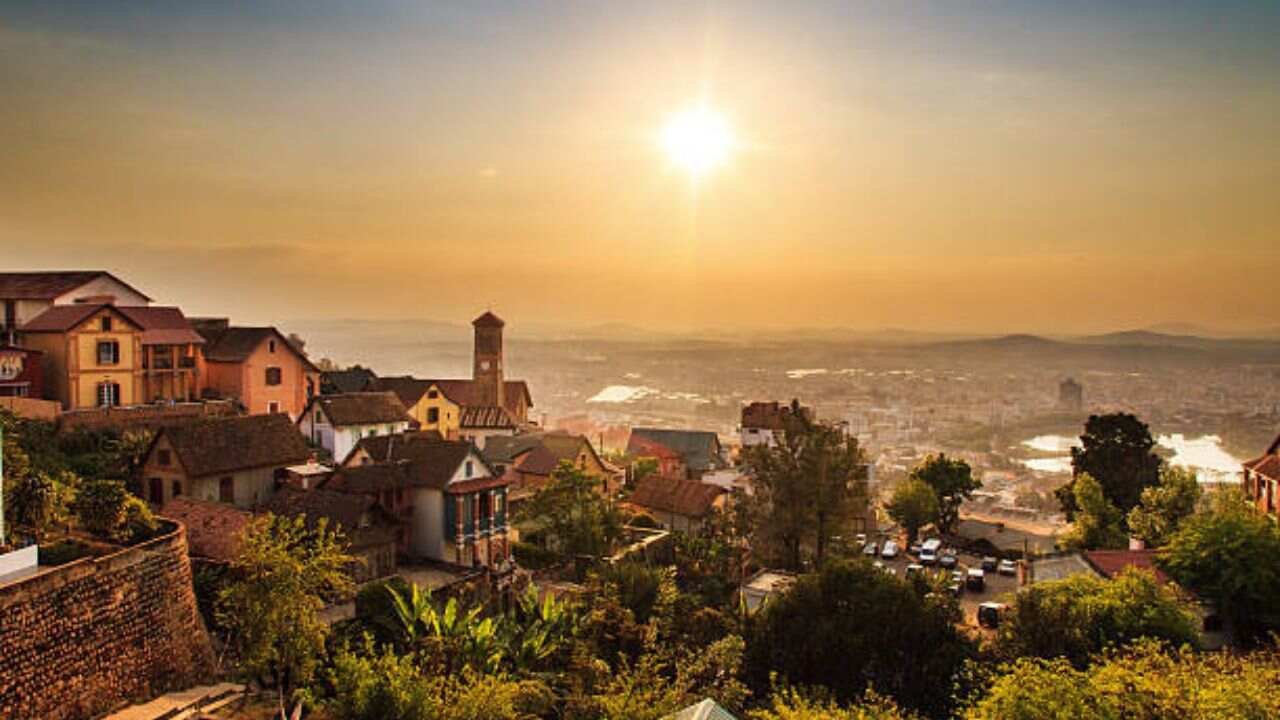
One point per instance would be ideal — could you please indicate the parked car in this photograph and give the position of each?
(956, 589)
(914, 550)
(957, 576)
(890, 550)
(989, 614)
(947, 561)
(870, 550)
(976, 580)
(914, 568)
(989, 564)
(928, 557)
(862, 538)
(1008, 567)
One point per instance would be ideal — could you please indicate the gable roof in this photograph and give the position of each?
(1110, 563)
(371, 478)
(770, 415)
(689, 498)
(706, 710)
(235, 343)
(356, 379)
(228, 445)
(344, 511)
(506, 448)
(700, 449)
(213, 528)
(541, 451)
(360, 408)
(464, 392)
(158, 325)
(431, 462)
(51, 284)
(406, 387)
(486, 417)
(488, 319)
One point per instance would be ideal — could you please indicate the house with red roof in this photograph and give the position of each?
(24, 295)
(258, 367)
(1262, 480)
(105, 355)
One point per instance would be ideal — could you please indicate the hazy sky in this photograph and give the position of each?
(954, 165)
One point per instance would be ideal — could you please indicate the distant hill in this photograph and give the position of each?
(1147, 338)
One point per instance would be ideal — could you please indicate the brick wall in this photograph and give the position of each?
(94, 634)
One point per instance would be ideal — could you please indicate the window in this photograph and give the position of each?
(467, 469)
(273, 376)
(106, 323)
(227, 490)
(273, 407)
(271, 346)
(108, 394)
(433, 415)
(319, 416)
(433, 394)
(177, 488)
(157, 490)
(108, 352)
(163, 457)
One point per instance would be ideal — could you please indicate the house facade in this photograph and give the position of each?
(104, 355)
(1262, 480)
(238, 460)
(258, 367)
(24, 295)
(21, 372)
(699, 450)
(529, 460)
(676, 503)
(455, 503)
(369, 530)
(338, 422)
(763, 423)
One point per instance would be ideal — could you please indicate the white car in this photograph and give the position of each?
(890, 550)
(1007, 567)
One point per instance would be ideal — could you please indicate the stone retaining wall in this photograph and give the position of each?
(92, 635)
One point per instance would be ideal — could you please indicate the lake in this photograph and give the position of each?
(1204, 454)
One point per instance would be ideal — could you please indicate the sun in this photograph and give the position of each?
(697, 140)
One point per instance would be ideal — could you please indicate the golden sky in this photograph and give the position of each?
(972, 166)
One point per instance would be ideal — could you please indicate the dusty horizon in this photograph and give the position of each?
(942, 167)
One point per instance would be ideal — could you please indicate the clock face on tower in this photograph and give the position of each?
(484, 364)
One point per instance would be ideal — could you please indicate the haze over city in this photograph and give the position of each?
(942, 166)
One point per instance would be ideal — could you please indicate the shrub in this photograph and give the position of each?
(533, 557)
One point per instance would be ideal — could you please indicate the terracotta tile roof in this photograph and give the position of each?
(506, 449)
(213, 528)
(358, 516)
(372, 478)
(673, 495)
(50, 285)
(235, 343)
(1267, 466)
(463, 392)
(431, 462)
(769, 415)
(159, 325)
(361, 408)
(700, 449)
(1110, 563)
(488, 319)
(228, 445)
(388, 447)
(409, 389)
(641, 446)
(487, 417)
(538, 461)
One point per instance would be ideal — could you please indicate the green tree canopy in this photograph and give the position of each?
(808, 489)
(914, 504)
(572, 514)
(1163, 507)
(282, 575)
(1116, 450)
(1230, 556)
(850, 628)
(1097, 522)
(1146, 680)
(1078, 617)
(793, 705)
(952, 481)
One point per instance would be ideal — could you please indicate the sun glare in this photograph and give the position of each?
(697, 140)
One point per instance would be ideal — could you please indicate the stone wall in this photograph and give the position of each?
(144, 417)
(94, 634)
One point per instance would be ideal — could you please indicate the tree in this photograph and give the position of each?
(576, 519)
(791, 704)
(952, 481)
(1078, 617)
(282, 575)
(38, 500)
(1163, 507)
(1097, 522)
(851, 627)
(1230, 556)
(105, 508)
(807, 489)
(1116, 450)
(1145, 680)
(913, 505)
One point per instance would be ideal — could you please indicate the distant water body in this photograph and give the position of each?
(622, 394)
(1204, 454)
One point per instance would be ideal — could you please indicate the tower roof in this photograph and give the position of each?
(488, 319)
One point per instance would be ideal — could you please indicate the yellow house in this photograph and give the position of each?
(426, 402)
(102, 355)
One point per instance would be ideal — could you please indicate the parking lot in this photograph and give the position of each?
(997, 587)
